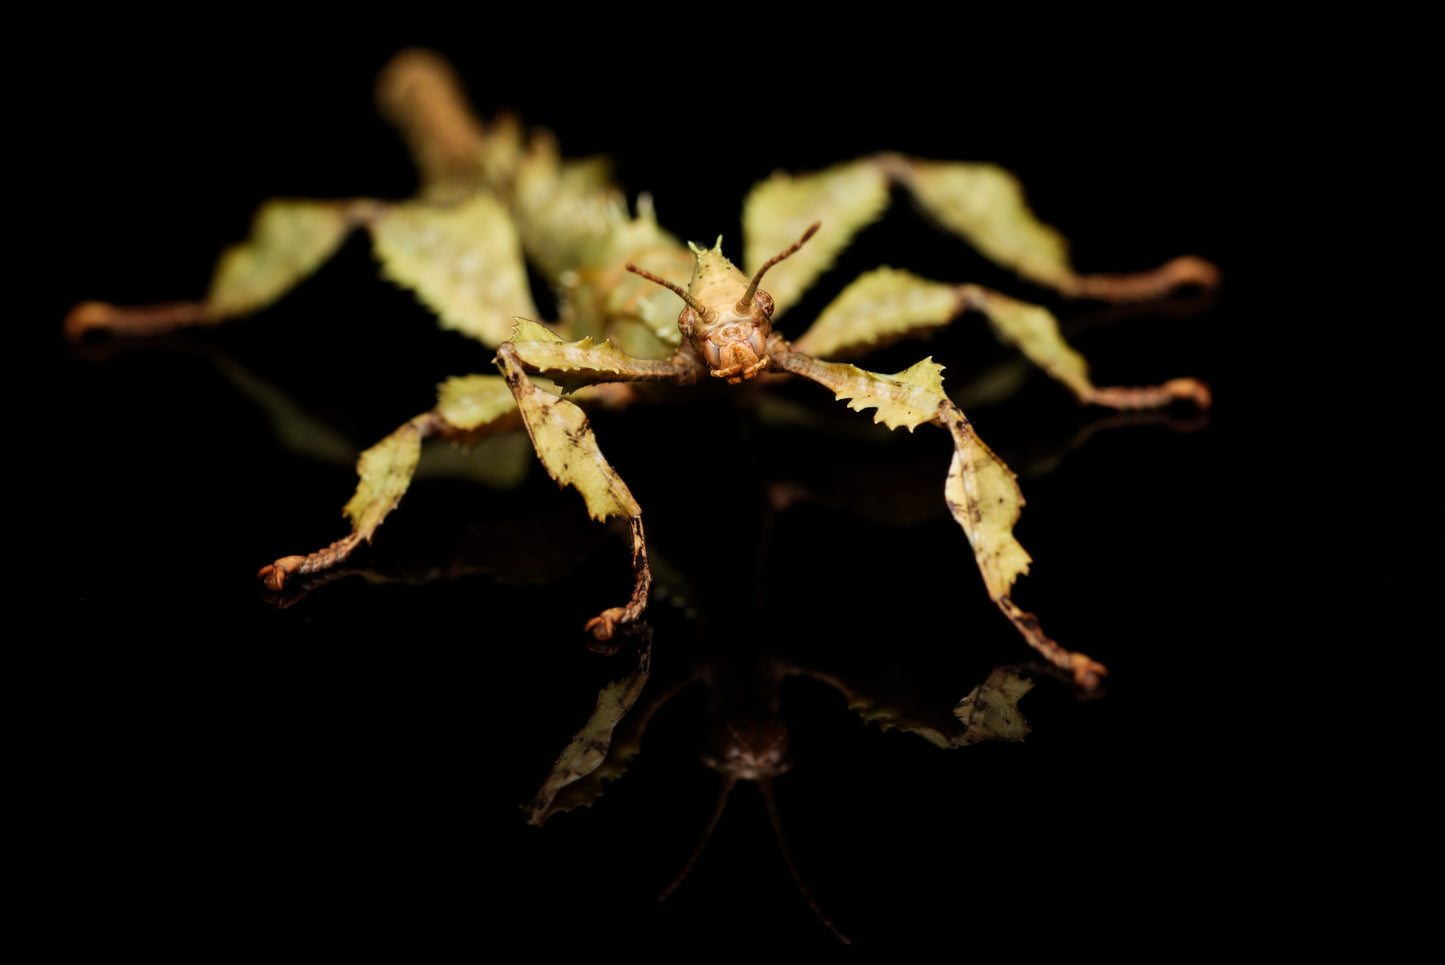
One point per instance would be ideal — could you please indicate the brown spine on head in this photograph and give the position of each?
(692, 303)
(745, 303)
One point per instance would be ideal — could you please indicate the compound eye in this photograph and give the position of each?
(764, 302)
(687, 321)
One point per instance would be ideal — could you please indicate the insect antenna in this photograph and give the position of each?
(729, 782)
(746, 302)
(765, 785)
(682, 293)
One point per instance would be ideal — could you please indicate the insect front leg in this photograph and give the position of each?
(563, 437)
(565, 444)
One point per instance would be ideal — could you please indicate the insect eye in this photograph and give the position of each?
(687, 321)
(765, 302)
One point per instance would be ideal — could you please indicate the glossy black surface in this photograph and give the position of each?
(351, 766)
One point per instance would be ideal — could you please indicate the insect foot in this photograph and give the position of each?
(274, 575)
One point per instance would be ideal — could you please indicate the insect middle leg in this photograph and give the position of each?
(468, 408)
(886, 304)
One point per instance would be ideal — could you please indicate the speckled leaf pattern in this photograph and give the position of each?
(984, 497)
(564, 442)
(908, 398)
(289, 240)
(777, 211)
(1035, 332)
(575, 364)
(985, 204)
(990, 712)
(471, 401)
(881, 305)
(463, 261)
(385, 472)
(581, 761)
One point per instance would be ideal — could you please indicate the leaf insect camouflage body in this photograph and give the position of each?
(493, 200)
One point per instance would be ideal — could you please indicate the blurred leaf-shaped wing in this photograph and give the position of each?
(463, 261)
(844, 198)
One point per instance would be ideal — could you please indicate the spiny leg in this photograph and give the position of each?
(887, 304)
(985, 204)
(468, 408)
(982, 203)
(982, 493)
(563, 438)
(289, 240)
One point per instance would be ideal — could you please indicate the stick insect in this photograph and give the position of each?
(639, 309)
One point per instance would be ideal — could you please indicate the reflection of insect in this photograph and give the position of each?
(492, 201)
(749, 739)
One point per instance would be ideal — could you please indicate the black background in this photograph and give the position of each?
(206, 768)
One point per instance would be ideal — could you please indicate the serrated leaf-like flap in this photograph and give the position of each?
(470, 401)
(583, 759)
(385, 472)
(1036, 333)
(463, 261)
(984, 497)
(991, 712)
(908, 398)
(985, 204)
(289, 240)
(777, 212)
(564, 442)
(879, 306)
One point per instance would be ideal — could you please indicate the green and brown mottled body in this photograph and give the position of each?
(493, 200)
